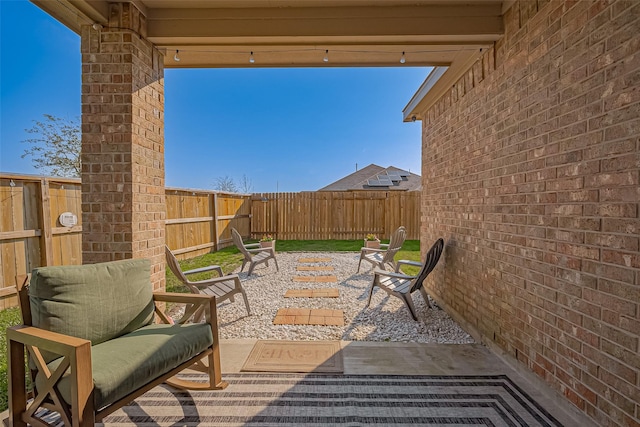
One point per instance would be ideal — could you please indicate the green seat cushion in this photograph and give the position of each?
(123, 365)
(96, 302)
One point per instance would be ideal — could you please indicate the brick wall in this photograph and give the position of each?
(123, 143)
(531, 174)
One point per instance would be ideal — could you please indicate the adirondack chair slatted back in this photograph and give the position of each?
(173, 264)
(395, 244)
(430, 261)
(237, 240)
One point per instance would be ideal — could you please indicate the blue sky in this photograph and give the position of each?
(284, 129)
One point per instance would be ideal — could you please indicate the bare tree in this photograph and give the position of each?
(56, 146)
(225, 183)
(246, 185)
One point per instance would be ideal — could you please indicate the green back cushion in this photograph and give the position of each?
(96, 302)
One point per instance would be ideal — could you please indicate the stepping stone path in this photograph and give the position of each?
(311, 316)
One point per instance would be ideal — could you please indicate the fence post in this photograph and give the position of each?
(214, 225)
(46, 240)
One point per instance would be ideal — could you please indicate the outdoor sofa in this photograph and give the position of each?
(94, 346)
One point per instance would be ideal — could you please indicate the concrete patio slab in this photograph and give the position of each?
(400, 358)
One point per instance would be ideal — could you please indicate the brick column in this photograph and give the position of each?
(123, 201)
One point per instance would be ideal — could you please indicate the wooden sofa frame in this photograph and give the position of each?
(77, 354)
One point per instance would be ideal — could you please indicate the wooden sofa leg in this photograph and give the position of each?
(17, 384)
(215, 376)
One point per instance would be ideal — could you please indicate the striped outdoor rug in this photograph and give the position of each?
(261, 399)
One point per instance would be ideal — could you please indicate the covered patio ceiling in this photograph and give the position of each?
(308, 33)
(297, 33)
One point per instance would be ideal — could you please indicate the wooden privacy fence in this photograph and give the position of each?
(31, 234)
(335, 215)
(198, 221)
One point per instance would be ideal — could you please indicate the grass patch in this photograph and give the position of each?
(8, 317)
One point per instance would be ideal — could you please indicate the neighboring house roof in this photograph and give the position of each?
(377, 178)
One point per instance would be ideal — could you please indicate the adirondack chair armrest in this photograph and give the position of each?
(384, 246)
(260, 250)
(402, 262)
(195, 305)
(204, 269)
(251, 245)
(372, 250)
(379, 272)
(182, 298)
(212, 280)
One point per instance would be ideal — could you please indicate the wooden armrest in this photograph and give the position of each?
(76, 359)
(203, 269)
(53, 342)
(259, 249)
(212, 280)
(386, 245)
(196, 306)
(182, 298)
(402, 262)
(373, 250)
(251, 245)
(379, 272)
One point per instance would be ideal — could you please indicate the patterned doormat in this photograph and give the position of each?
(339, 400)
(294, 356)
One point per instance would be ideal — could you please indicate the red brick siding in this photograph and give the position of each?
(123, 143)
(531, 174)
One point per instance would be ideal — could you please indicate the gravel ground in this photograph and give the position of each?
(387, 319)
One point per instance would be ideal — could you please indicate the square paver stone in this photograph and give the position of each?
(313, 293)
(311, 260)
(314, 268)
(321, 279)
(309, 316)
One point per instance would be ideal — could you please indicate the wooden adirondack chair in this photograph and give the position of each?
(253, 253)
(401, 285)
(222, 287)
(383, 256)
